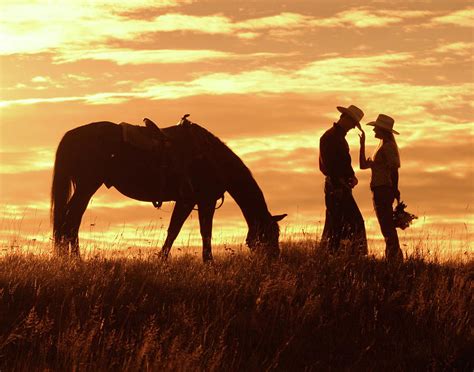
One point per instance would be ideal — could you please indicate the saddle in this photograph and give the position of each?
(148, 139)
(152, 140)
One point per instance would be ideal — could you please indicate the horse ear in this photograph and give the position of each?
(279, 217)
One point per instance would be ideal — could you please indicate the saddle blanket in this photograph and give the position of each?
(139, 137)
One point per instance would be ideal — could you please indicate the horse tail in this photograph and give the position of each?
(61, 188)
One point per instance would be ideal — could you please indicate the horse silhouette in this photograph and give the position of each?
(192, 167)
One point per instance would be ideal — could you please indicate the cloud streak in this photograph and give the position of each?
(41, 26)
(368, 78)
(460, 48)
(367, 18)
(459, 18)
(125, 56)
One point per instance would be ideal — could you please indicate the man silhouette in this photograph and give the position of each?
(344, 227)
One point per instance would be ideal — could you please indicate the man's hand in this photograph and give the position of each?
(352, 182)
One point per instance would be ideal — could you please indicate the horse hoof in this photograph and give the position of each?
(163, 256)
(207, 258)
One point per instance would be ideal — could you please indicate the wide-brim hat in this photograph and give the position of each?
(384, 122)
(353, 111)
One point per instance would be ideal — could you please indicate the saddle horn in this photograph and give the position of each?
(184, 120)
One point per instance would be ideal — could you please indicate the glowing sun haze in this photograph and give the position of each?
(264, 76)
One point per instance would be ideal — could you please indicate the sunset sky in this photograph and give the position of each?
(265, 77)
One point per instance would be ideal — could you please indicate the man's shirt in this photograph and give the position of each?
(334, 156)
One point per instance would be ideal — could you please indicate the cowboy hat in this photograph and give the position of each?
(384, 122)
(353, 111)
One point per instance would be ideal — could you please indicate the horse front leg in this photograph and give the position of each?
(181, 211)
(61, 245)
(206, 215)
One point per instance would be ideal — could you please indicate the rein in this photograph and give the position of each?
(215, 208)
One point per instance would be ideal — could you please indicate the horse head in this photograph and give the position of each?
(264, 236)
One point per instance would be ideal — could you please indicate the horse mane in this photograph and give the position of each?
(222, 153)
(206, 137)
(242, 185)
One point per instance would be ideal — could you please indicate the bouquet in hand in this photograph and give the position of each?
(401, 218)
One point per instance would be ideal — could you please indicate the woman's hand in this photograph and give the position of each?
(364, 163)
(397, 195)
(362, 137)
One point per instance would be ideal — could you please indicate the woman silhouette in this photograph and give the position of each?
(384, 181)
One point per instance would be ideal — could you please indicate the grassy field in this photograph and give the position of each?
(304, 311)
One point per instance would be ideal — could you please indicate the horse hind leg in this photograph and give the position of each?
(61, 246)
(75, 210)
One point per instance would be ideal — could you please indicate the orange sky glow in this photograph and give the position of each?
(265, 77)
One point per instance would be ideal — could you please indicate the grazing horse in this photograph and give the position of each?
(190, 159)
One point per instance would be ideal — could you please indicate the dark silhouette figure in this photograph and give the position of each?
(344, 226)
(95, 154)
(384, 181)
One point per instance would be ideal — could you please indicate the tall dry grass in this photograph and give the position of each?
(304, 311)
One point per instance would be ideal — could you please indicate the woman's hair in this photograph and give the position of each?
(389, 137)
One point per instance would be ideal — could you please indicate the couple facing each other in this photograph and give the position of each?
(344, 225)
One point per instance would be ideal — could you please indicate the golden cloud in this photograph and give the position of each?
(357, 18)
(459, 48)
(283, 20)
(367, 17)
(461, 18)
(368, 81)
(19, 162)
(156, 56)
(34, 27)
(38, 26)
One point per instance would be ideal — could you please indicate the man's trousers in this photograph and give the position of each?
(344, 228)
